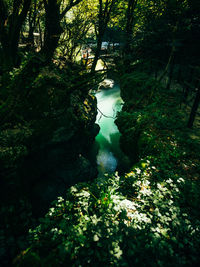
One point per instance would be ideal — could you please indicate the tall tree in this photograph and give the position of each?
(194, 109)
(12, 16)
(129, 24)
(53, 29)
(76, 30)
(105, 9)
(129, 33)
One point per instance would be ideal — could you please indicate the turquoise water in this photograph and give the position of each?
(109, 156)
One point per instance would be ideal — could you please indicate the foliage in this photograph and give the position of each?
(43, 108)
(138, 86)
(118, 220)
(77, 27)
(162, 24)
(147, 217)
(16, 217)
(152, 116)
(150, 216)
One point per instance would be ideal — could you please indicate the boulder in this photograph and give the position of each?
(106, 84)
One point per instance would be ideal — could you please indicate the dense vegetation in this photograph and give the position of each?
(147, 217)
(49, 56)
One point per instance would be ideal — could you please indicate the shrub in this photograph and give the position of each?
(133, 220)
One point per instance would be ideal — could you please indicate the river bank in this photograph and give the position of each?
(43, 149)
(147, 217)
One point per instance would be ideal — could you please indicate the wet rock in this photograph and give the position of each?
(106, 84)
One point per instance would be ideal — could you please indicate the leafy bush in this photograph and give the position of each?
(133, 220)
(148, 217)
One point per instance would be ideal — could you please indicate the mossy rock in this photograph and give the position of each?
(138, 86)
(125, 121)
(129, 143)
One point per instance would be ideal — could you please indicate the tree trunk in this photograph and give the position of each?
(186, 86)
(171, 70)
(194, 109)
(10, 50)
(97, 53)
(10, 28)
(129, 34)
(32, 24)
(53, 29)
(40, 32)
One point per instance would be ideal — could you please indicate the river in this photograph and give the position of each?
(109, 158)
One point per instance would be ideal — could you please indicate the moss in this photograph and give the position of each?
(138, 86)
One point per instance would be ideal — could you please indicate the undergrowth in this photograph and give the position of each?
(148, 217)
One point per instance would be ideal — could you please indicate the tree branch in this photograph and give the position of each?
(109, 117)
(68, 7)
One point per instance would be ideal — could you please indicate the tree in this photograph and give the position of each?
(34, 16)
(12, 14)
(76, 28)
(129, 24)
(129, 33)
(105, 9)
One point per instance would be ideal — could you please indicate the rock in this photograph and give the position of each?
(106, 84)
(55, 182)
(49, 150)
(64, 160)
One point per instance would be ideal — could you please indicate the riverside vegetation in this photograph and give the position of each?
(146, 215)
